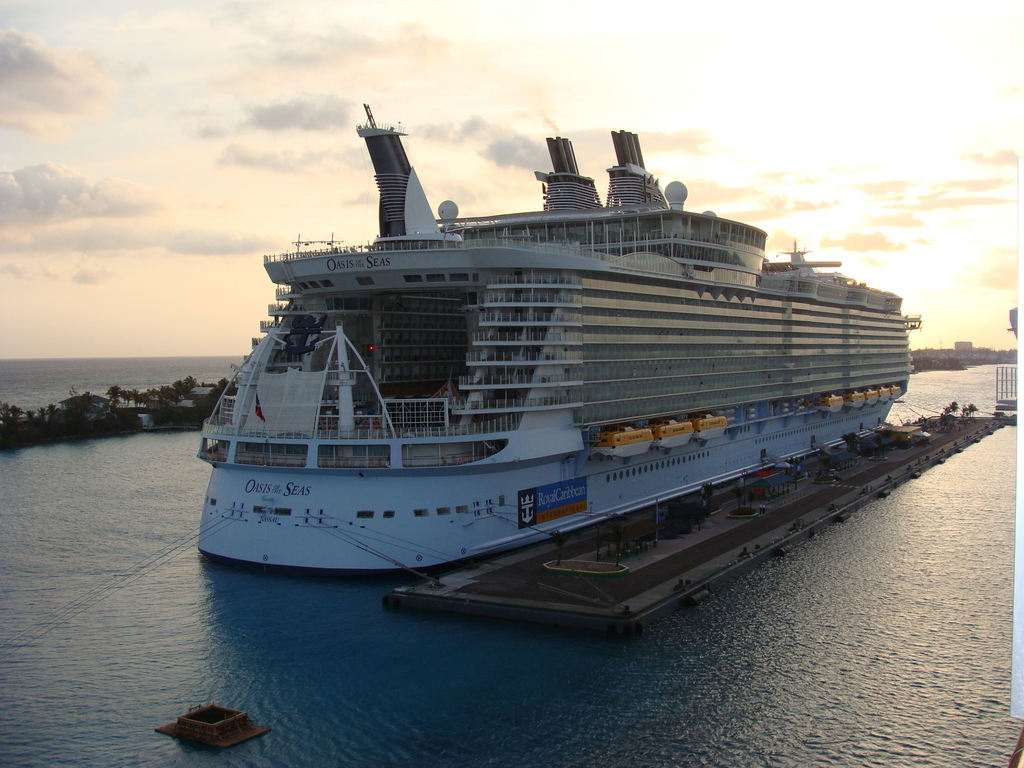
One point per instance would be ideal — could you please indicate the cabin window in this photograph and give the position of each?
(459, 277)
(413, 278)
(314, 284)
(435, 278)
(462, 509)
(282, 511)
(420, 512)
(364, 513)
(326, 283)
(388, 513)
(444, 510)
(364, 280)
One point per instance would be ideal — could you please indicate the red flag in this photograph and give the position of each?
(259, 411)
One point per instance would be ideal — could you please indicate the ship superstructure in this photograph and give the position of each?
(468, 385)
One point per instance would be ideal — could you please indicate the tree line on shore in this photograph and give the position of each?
(88, 415)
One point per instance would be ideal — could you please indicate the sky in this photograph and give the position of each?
(151, 153)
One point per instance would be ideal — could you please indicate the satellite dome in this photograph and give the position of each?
(676, 193)
(711, 213)
(447, 210)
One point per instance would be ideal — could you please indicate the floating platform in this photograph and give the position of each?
(667, 574)
(214, 725)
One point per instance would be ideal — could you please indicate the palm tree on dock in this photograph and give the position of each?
(617, 532)
(737, 491)
(559, 538)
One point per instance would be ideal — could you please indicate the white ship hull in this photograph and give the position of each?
(674, 441)
(324, 534)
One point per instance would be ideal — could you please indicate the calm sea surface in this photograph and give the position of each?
(882, 642)
(37, 383)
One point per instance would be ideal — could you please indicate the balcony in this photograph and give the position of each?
(516, 404)
(501, 382)
(500, 357)
(531, 318)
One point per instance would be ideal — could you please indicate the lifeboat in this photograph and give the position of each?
(895, 390)
(709, 426)
(831, 403)
(623, 441)
(855, 399)
(871, 396)
(884, 394)
(672, 433)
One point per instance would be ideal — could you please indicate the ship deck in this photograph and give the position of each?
(673, 573)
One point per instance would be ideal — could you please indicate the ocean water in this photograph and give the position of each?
(884, 641)
(37, 383)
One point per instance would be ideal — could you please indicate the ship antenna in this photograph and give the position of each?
(369, 116)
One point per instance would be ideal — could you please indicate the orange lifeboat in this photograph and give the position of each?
(855, 399)
(708, 427)
(623, 441)
(831, 403)
(672, 433)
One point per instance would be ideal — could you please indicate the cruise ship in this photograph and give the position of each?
(465, 386)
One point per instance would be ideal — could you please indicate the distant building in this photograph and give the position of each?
(963, 346)
(96, 406)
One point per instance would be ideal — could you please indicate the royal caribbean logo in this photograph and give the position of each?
(550, 502)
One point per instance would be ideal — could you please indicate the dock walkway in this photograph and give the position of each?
(676, 572)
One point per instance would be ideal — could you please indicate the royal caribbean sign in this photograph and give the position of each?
(550, 502)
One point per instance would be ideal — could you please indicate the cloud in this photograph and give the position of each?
(306, 113)
(207, 242)
(974, 185)
(503, 145)
(449, 133)
(776, 207)
(86, 276)
(995, 270)
(885, 189)
(14, 271)
(999, 157)
(43, 87)
(704, 193)
(906, 220)
(938, 201)
(692, 141)
(115, 240)
(516, 150)
(334, 45)
(901, 195)
(49, 192)
(284, 161)
(862, 242)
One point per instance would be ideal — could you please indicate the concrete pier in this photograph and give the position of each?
(674, 573)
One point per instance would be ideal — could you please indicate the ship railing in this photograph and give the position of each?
(279, 309)
(255, 458)
(516, 404)
(527, 357)
(512, 318)
(508, 423)
(520, 381)
(353, 462)
(526, 337)
(532, 279)
(566, 247)
(269, 325)
(506, 297)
